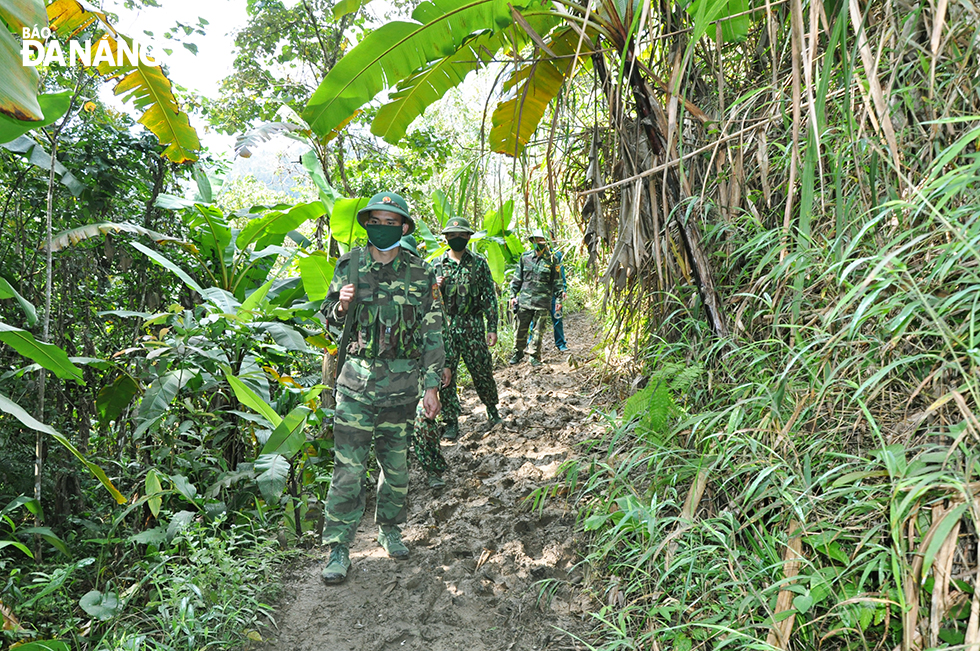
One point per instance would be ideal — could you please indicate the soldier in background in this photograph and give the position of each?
(470, 298)
(394, 356)
(536, 282)
(425, 433)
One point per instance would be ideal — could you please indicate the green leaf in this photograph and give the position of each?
(115, 397)
(279, 223)
(495, 259)
(154, 488)
(274, 470)
(348, 7)
(394, 51)
(251, 400)
(53, 106)
(289, 437)
(167, 264)
(420, 90)
(284, 335)
(7, 291)
(45, 645)
(442, 207)
(156, 401)
(13, 543)
(47, 355)
(47, 534)
(100, 606)
(802, 603)
(155, 536)
(316, 270)
(940, 534)
(343, 221)
(328, 195)
(185, 488)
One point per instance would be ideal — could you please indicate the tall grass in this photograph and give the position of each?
(815, 486)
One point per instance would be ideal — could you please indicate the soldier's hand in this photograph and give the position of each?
(439, 280)
(346, 296)
(513, 303)
(430, 403)
(447, 376)
(491, 338)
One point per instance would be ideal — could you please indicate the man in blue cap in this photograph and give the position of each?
(394, 356)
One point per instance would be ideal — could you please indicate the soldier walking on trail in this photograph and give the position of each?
(537, 281)
(389, 306)
(469, 297)
(425, 434)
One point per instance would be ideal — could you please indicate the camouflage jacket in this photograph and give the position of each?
(396, 347)
(468, 289)
(536, 281)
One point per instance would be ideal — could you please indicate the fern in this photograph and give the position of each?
(655, 406)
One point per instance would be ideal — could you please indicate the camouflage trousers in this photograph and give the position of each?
(356, 425)
(467, 339)
(425, 440)
(525, 317)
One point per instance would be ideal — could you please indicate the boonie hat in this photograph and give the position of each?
(458, 225)
(386, 201)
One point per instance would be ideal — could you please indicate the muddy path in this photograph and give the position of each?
(487, 572)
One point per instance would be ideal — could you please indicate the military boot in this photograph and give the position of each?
(451, 433)
(535, 361)
(516, 358)
(390, 537)
(336, 568)
(493, 417)
(436, 482)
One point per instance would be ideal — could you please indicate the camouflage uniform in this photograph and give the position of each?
(395, 351)
(469, 297)
(536, 282)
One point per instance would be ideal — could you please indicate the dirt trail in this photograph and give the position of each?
(476, 580)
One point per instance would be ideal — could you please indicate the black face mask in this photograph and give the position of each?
(458, 243)
(540, 248)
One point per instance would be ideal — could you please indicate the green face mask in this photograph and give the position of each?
(383, 237)
(457, 243)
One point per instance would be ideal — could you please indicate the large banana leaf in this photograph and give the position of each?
(47, 355)
(18, 83)
(147, 86)
(53, 106)
(396, 50)
(10, 407)
(532, 87)
(417, 92)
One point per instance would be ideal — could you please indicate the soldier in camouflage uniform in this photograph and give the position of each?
(395, 356)
(536, 283)
(469, 297)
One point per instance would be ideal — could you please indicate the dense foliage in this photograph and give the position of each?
(777, 201)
